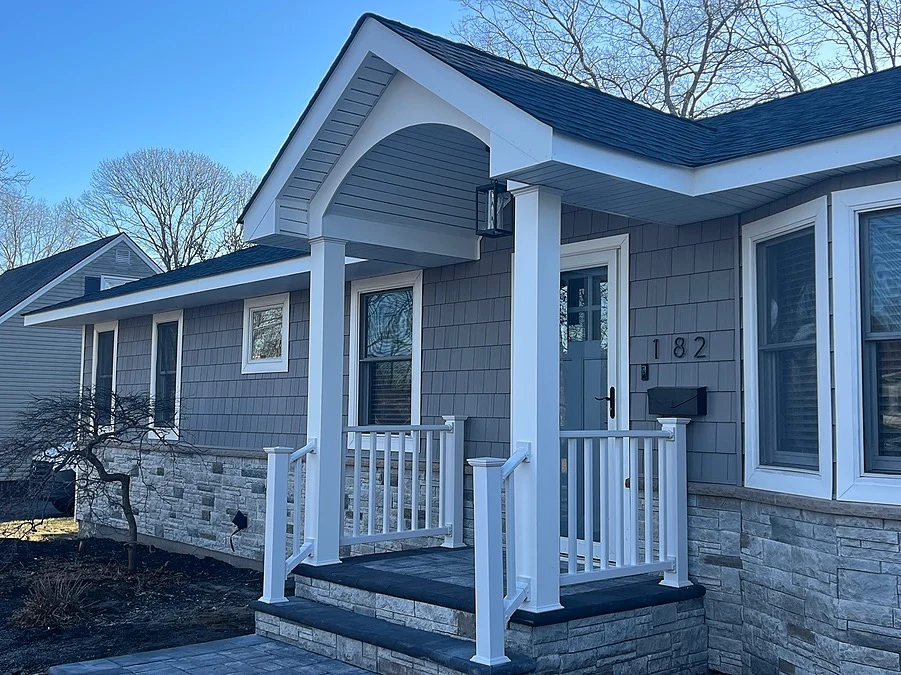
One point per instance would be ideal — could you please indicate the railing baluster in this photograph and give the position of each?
(618, 497)
(386, 484)
(296, 522)
(588, 471)
(358, 460)
(373, 460)
(661, 499)
(442, 475)
(401, 473)
(571, 515)
(603, 463)
(509, 525)
(633, 500)
(414, 484)
(428, 480)
(649, 499)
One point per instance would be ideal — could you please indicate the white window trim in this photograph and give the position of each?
(778, 479)
(852, 483)
(116, 278)
(103, 328)
(169, 433)
(277, 365)
(373, 285)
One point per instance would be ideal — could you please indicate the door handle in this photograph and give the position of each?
(611, 399)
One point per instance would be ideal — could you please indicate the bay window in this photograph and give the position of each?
(866, 258)
(788, 434)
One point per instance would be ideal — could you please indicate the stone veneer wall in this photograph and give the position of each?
(797, 585)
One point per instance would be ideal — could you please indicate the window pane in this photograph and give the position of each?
(787, 352)
(103, 385)
(883, 396)
(882, 265)
(578, 327)
(266, 333)
(787, 302)
(388, 392)
(578, 292)
(166, 369)
(388, 319)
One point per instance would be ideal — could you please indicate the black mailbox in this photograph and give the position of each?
(677, 401)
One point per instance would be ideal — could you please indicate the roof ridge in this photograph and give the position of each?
(537, 71)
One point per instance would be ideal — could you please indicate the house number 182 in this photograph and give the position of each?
(681, 348)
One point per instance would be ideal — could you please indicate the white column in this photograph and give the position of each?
(275, 543)
(535, 392)
(487, 477)
(453, 481)
(325, 468)
(677, 501)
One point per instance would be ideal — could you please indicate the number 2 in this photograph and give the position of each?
(699, 353)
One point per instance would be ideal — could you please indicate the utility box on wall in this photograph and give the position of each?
(677, 401)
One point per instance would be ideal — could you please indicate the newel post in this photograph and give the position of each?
(453, 480)
(677, 501)
(276, 538)
(487, 478)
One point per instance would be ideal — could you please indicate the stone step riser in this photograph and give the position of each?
(412, 613)
(347, 650)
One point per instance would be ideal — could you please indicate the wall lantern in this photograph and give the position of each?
(494, 210)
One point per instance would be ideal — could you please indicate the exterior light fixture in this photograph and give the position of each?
(494, 210)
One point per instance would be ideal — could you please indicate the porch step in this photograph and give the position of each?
(371, 643)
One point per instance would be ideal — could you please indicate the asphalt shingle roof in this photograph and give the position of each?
(841, 108)
(233, 262)
(19, 283)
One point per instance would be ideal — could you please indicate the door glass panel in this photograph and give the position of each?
(583, 374)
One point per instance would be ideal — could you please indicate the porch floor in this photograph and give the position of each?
(446, 577)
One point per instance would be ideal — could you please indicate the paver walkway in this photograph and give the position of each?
(246, 655)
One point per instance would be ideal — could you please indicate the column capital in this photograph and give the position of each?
(326, 239)
(522, 189)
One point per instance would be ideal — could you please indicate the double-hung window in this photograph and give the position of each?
(385, 344)
(788, 436)
(165, 378)
(867, 289)
(103, 380)
(265, 342)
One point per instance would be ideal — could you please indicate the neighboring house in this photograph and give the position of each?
(36, 363)
(683, 360)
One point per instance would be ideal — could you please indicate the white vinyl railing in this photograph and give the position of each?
(424, 464)
(281, 464)
(499, 590)
(625, 504)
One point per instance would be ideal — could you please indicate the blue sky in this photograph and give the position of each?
(84, 81)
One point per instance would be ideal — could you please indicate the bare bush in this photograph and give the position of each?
(54, 600)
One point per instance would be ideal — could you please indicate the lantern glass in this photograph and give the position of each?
(494, 210)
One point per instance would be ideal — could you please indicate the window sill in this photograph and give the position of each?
(875, 489)
(163, 434)
(273, 366)
(801, 482)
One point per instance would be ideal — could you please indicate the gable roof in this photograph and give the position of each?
(598, 117)
(233, 262)
(20, 283)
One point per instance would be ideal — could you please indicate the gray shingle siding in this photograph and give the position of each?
(39, 360)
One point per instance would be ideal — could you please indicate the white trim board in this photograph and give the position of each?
(385, 283)
(790, 481)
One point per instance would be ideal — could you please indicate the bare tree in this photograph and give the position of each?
(30, 229)
(690, 58)
(177, 204)
(233, 234)
(76, 431)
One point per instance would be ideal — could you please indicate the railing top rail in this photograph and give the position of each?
(617, 433)
(399, 428)
(305, 450)
(517, 458)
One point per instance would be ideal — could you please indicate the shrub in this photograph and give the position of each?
(54, 600)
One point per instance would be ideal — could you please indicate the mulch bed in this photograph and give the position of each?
(171, 600)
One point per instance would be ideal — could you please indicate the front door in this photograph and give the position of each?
(593, 367)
